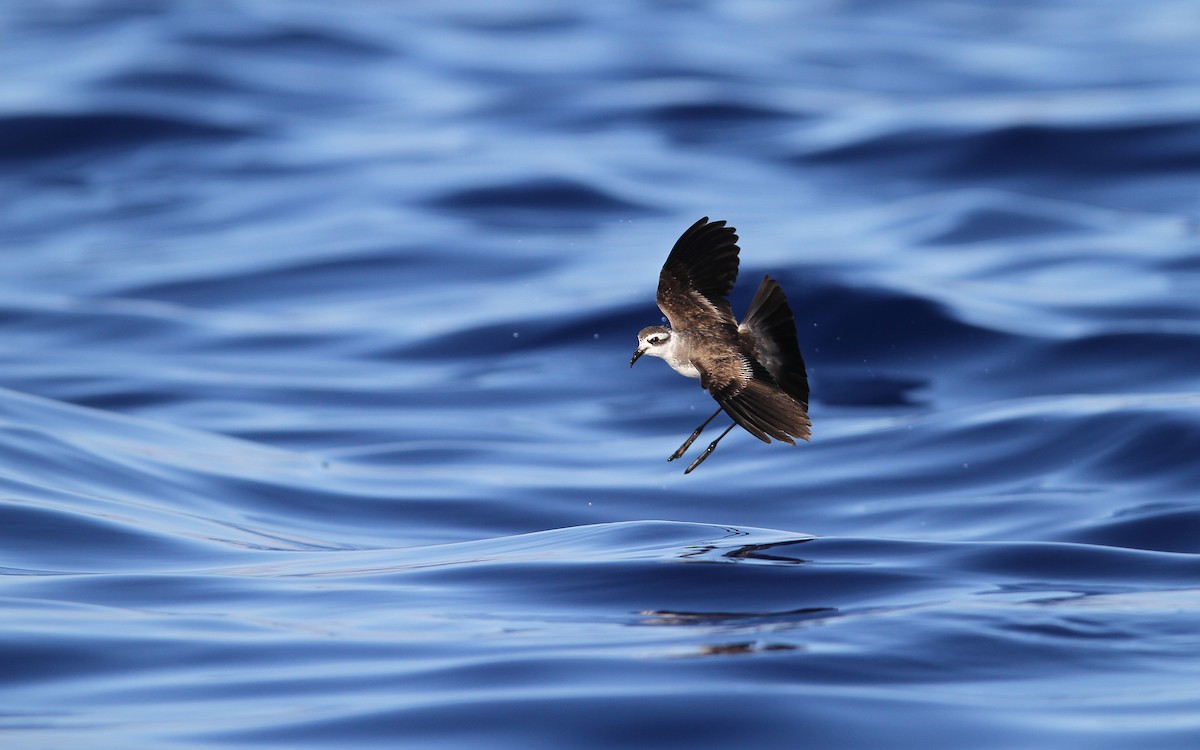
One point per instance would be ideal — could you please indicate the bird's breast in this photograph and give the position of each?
(679, 356)
(684, 368)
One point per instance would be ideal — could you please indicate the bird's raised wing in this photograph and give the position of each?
(698, 275)
(768, 334)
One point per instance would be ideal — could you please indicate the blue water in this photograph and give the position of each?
(317, 428)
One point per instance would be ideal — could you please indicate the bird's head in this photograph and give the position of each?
(653, 341)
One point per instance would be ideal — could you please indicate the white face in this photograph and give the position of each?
(655, 341)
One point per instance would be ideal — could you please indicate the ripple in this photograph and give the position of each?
(1080, 151)
(295, 40)
(849, 322)
(1168, 530)
(535, 201)
(47, 136)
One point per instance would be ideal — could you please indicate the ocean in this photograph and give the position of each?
(317, 428)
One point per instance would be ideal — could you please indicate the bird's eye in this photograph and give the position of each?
(653, 339)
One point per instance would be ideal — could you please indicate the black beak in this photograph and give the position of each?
(636, 356)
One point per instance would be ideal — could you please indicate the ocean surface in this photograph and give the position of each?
(317, 428)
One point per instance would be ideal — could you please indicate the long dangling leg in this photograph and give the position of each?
(711, 447)
(683, 448)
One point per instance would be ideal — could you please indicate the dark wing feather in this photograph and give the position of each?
(748, 394)
(698, 275)
(764, 411)
(769, 332)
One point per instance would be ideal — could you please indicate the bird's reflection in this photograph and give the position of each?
(777, 624)
(749, 552)
(744, 647)
(679, 617)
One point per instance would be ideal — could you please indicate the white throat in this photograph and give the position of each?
(675, 356)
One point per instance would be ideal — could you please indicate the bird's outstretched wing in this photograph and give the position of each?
(698, 275)
(763, 411)
(752, 399)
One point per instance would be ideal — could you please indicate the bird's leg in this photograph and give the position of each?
(688, 444)
(711, 446)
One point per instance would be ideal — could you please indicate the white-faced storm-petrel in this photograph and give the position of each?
(753, 369)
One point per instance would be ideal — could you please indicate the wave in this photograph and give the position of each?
(45, 136)
(317, 425)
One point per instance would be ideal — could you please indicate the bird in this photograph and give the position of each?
(753, 369)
